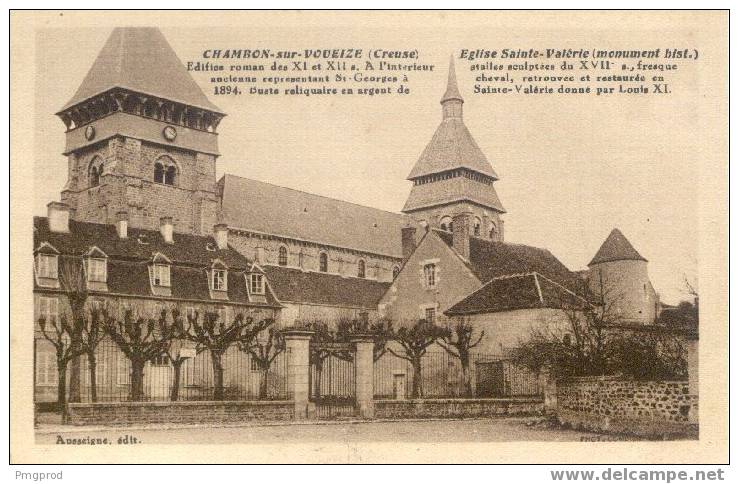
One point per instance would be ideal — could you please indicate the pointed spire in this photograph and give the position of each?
(616, 247)
(452, 91)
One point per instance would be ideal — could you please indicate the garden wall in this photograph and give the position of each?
(126, 413)
(457, 407)
(618, 405)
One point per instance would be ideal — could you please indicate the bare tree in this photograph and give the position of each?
(141, 340)
(263, 349)
(91, 334)
(61, 334)
(415, 340)
(381, 332)
(73, 282)
(459, 342)
(216, 337)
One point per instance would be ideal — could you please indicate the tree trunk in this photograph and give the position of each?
(137, 380)
(317, 380)
(263, 382)
(417, 389)
(61, 389)
(92, 364)
(466, 380)
(75, 394)
(177, 367)
(216, 359)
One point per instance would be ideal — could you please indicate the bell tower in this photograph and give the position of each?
(453, 176)
(141, 138)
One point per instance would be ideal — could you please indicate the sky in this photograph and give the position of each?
(571, 168)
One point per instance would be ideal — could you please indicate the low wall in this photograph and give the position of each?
(617, 405)
(125, 413)
(457, 407)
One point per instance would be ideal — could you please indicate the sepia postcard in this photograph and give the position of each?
(376, 237)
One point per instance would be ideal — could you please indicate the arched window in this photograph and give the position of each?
(396, 271)
(323, 262)
(94, 177)
(446, 224)
(165, 171)
(169, 175)
(282, 256)
(360, 269)
(477, 226)
(95, 171)
(493, 232)
(158, 173)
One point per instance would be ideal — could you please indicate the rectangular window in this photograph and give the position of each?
(47, 266)
(430, 315)
(161, 275)
(48, 308)
(429, 275)
(190, 313)
(219, 280)
(222, 315)
(161, 360)
(46, 373)
(123, 369)
(97, 270)
(256, 283)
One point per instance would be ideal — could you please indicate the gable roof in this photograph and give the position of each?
(490, 259)
(616, 247)
(140, 59)
(517, 291)
(296, 285)
(313, 218)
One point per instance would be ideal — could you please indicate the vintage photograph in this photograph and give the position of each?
(466, 231)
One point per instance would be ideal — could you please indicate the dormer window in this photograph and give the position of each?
(256, 284)
(47, 266)
(218, 279)
(160, 275)
(97, 269)
(361, 269)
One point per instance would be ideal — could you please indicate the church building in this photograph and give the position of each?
(146, 225)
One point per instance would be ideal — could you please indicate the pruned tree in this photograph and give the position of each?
(267, 344)
(459, 341)
(172, 351)
(62, 334)
(141, 340)
(73, 282)
(381, 332)
(217, 336)
(414, 341)
(92, 333)
(326, 342)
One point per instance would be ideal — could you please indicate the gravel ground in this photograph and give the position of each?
(488, 430)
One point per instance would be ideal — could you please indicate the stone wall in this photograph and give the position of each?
(457, 408)
(126, 413)
(617, 405)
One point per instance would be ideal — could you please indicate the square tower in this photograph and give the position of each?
(141, 138)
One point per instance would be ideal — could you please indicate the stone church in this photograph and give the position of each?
(145, 221)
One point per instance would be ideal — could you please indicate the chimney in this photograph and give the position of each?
(121, 224)
(461, 234)
(408, 239)
(220, 231)
(165, 227)
(58, 214)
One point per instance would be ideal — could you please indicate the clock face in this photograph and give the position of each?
(89, 132)
(169, 133)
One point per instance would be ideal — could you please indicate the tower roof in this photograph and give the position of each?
(616, 247)
(452, 91)
(452, 145)
(140, 59)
